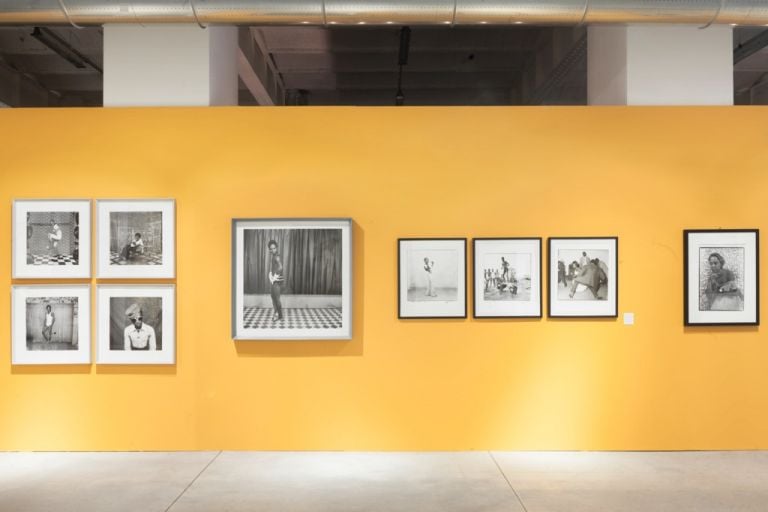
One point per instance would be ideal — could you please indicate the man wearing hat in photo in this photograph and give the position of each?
(138, 335)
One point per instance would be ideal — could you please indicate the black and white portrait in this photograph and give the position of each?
(136, 238)
(507, 277)
(51, 324)
(432, 278)
(136, 324)
(51, 239)
(583, 277)
(433, 275)
(582, 274)
(721, 277)
(295, 279)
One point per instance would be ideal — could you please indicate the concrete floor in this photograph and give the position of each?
(384, 481)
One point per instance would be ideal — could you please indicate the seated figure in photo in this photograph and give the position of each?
(138, 335)
(722, 293)
(133, 249)
(592, 275)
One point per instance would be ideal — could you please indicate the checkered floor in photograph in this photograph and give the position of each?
(144, 259)
(45, 259)
(293, 318)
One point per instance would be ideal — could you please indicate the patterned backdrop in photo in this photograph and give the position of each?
(124, 225)
(152, 314)
(311, 260)
(65, 325)
(734, 261)
(41, 226)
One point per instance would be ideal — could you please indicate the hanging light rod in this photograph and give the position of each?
(383, 12)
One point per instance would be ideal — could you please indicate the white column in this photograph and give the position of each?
(169, 65)
(660, 65)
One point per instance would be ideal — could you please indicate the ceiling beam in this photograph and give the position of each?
(752, 46)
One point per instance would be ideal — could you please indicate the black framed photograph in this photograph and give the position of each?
(432, 277)
(136, 324)
(291, 279)
(506, 275)
(136, 238)
(51, 239)
(721, 277)
(583, 277)
(51, 324)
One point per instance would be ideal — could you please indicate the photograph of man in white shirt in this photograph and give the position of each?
(138, 335)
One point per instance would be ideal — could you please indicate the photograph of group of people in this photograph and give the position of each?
(585, 277)
(507, 277)
(135, 240)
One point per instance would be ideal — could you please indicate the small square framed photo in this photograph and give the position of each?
(583, 277)
(51, 239)
(506, 277)
(721, 277)
(136, 239)
(432, 277)
(51, 324)
(136, 324)
(292, 279)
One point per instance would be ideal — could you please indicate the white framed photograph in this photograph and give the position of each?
(432, 278)
(136, 239)
(291, 279)
(51, 324)
(51, 239)
(583, 277)
(136, 324)
(506, 277)
(721, 277)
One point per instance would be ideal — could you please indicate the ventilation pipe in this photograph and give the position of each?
(384, 12)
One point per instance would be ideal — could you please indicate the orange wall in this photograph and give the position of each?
(643, 174)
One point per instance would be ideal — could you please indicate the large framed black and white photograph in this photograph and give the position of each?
(721, 277)
(292, 279)
(51, 239)
(583, 277)
(506, 277)
(51, 324)
(136, 239)
(432, 278)
(136, 324)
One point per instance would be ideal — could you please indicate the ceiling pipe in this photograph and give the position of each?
(384, 12)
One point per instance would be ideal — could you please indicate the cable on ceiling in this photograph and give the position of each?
(194, 13)
(66, 15)
(717, 14)
(584, 14)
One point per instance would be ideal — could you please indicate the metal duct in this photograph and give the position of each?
(381, 12)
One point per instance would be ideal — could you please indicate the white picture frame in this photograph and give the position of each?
(118, 306)
(310, 297)
(51, 324)
(729, 294)
(586, 284)
(506, 277)
(136, 238)
(432, 278)
(51, 239)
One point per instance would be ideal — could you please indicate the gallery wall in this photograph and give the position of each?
(642, 174)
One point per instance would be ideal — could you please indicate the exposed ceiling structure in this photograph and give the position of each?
(461, 65)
